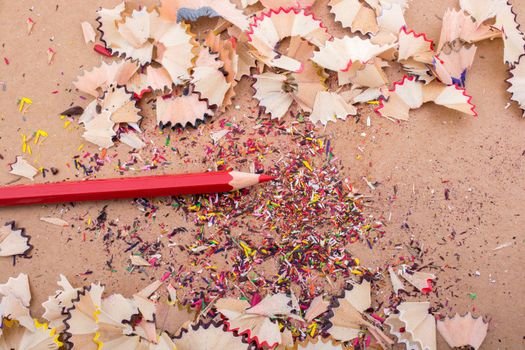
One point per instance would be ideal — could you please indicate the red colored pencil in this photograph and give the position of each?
(135, 187)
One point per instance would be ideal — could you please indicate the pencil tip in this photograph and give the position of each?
(266, 178)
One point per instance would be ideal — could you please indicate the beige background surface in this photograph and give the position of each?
(481, 161)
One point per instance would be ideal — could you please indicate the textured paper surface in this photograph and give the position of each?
(480, 158)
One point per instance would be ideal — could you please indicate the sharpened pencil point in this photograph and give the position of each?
(266, 178)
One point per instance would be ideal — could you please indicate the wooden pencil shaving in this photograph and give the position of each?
(463, 331)
(89, 33)
(169, 59)
(277, 92)
(340, 54)
(513, 37)
(356, 15)
(348, 321)
(271, 27)
(410, 94)
(99, 79)
(414, 326)
(208, 79)
(22, 168)
(191, 10)
(13, 240)
(256, 321)
(230, 59)
(517, 84)
(209, 336)
(330, 106)
(19, 330)
(187, 109)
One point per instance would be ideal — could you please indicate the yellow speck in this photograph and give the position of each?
(38, 134)
(306, 164)
(24, 101)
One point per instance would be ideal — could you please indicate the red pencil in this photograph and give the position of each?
(137, 187)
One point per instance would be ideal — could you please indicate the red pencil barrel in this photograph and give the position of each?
(107, 189)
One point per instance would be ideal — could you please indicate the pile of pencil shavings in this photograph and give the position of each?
(84, 318)
(288, 54)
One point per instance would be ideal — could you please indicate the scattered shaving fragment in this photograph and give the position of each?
(55, 221)
(132, 140)
(216, 136)
(22, 168)
(137, 260)
(50, 55)
(421, 280)
(463, 331)
(30, 24)
(88, 32)
(397, 285)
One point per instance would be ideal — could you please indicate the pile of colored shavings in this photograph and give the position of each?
(298, 227)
